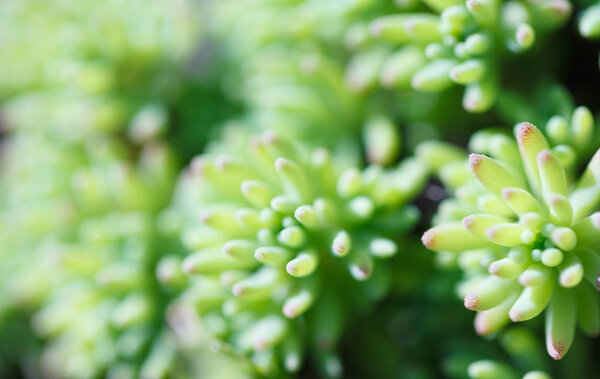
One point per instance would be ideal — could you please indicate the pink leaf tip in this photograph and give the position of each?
(471, 301)
(524, 131)
(428, 239)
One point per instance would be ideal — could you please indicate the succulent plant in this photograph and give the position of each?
(520, 356)
(528, 239)
(104, 316)
(287, 242)
(490, 369)
(589, 22)
(446, 42)
(291, 73)
(91, 227)
(121, 46)
(301, 95)
(289, 245)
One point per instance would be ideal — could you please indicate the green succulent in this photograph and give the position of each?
(287, 242)
(526, 358)
(489, 369)
(290, 73)
(104, 315)
(448, 42)
(301, 95)
(121, 46)
(589, 22)
(101, 307)
(528, 239)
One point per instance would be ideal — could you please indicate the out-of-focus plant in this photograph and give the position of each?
(528, 239)
(78, 228)
(91, 76)
(525, 353)
(86, 172)
(121, 46)
(290, 71)
(589, 22)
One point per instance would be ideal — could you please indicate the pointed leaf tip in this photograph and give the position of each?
(474, 162)
(428, 239)
(556, 350)
(471, 301)
(524, 131)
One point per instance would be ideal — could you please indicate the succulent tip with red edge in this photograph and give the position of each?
(556, 350)
(467, 222)
(428, 239)
(471, 301)
(524, 131)
(289, 311)
(474, 162)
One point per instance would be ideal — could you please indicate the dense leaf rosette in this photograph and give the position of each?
(529, 237)
(288, 243)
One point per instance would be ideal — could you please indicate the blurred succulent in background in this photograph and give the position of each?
(520, 345)
(589, 22)
(290, 71)
(77, 228)
(286, 242)
(301, 95)
(105, 315)
(76, 108)
(249, 26)
(462, 43)
(489, 369)
(528, 239)
(83, 112)
(122, 46)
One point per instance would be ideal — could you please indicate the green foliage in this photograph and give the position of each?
(236, 189)
(525, 228)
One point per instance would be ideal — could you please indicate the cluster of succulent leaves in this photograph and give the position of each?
(237, 189)
(525, 227)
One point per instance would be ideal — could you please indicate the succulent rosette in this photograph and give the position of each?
(75, 211)
(287, 242)
(529, 235)
(105, 314)
(81, 251)
(432, 45)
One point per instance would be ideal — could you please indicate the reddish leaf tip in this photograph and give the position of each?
(467, 222)
(471, 301)
(556, 349)
(474, 162)
(428, 239)
(524, 131)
